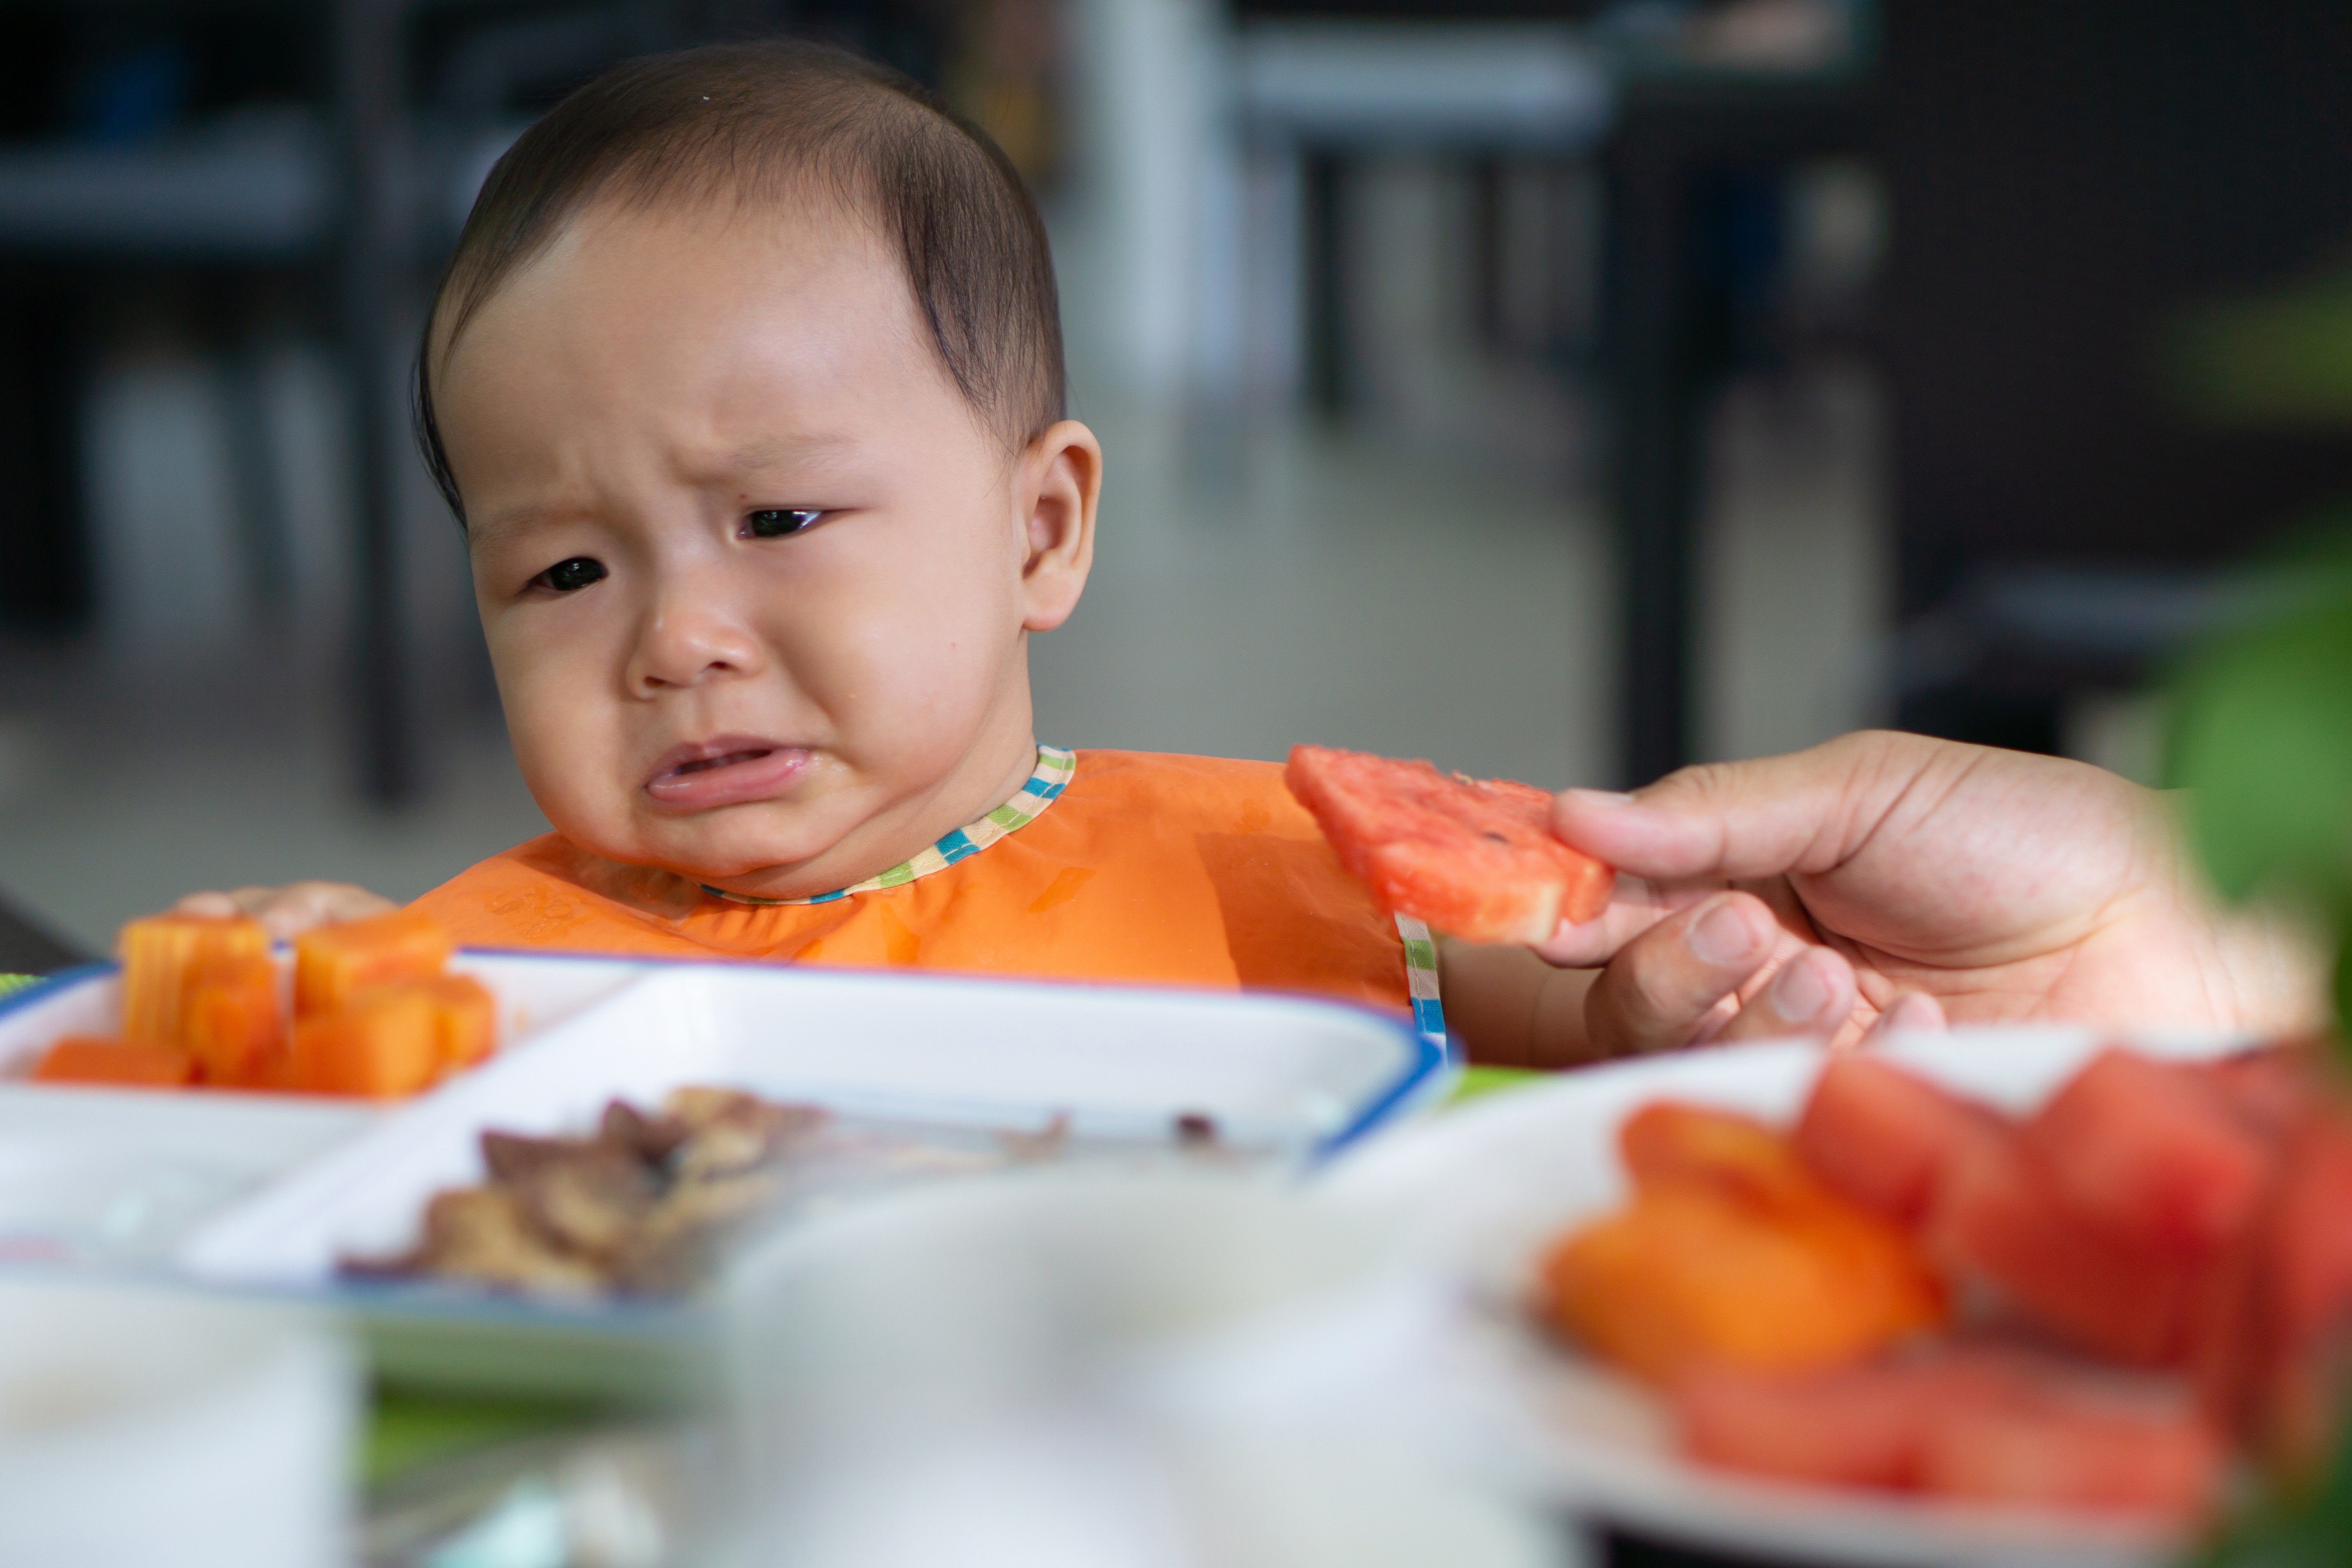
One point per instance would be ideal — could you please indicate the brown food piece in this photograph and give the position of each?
(654, 1139)
(641, 1207)
(673, 1245)
(732, 1130)
(699, 1106)
(484, 1234)
(591, 1203)
(513, 1156)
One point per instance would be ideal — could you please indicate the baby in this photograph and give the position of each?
(745, 382)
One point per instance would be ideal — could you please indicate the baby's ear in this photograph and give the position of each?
(1060, 481)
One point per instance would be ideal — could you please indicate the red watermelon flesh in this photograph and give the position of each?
(2271, 1091)
(1885, 1138)
(2052, 1454)
(1982, 1424)
(2304, 1332)
(2310, 1233)
(2146, 1151)
(1861, 1425)
(1999, 1219)
(1476, 859)
(2227, 1345)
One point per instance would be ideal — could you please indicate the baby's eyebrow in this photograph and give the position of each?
(506, 521)
(775, 452)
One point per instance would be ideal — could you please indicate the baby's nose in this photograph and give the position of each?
(682, 645)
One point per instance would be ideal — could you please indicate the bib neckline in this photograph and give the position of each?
(1052, 776)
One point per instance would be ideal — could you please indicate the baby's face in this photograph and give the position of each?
(756, 581)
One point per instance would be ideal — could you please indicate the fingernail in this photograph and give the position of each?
(1800, 992)
(1601, 797)
(1720, 937)
(1914, 1011)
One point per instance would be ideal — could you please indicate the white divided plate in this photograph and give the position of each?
(1288, 1077)
(1479, 1193)
(114, 1179)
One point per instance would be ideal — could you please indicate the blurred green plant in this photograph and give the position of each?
(2262, 741)
(2276, 360)
(2310, 1529)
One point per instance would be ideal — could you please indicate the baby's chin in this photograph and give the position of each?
(766, 851)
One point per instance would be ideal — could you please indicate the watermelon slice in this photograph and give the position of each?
(1857, 1427)
(2272, 1090)
(1884, 1138)
(2052, 1453)
(2228, 1344)
(1474, 858)
(2146, 1151)
(1998, 1219)
(1983, 1423)
(2310, 1238)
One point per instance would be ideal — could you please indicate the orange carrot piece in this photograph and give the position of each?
(159, 954)
(464, 1022)
(118, 1064)
(384, 1043)
(234, 1022)
(1690, 1276)
(333, 964)
(1667, 1140)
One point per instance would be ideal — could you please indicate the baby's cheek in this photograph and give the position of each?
(565, 744)
(936, 682)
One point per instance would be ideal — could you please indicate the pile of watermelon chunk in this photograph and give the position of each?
(2150, 1274)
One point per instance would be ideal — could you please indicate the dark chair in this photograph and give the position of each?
(2066, 181)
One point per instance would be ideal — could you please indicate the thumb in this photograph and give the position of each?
(1807, 811)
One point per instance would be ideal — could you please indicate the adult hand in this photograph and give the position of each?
(1891, 878)
(290, 910)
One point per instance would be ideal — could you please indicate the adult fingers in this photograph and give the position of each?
(1636, 905)
(1803, 812)
(290, 910)
(302, 905)
(1669, 985)
(1913, 1010)
(1813, 994)
(217, 905)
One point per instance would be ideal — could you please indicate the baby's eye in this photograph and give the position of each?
(775, 522)
(571, 576)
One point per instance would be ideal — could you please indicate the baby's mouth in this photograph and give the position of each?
(727, 770)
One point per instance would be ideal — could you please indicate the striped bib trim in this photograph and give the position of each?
(1055, 768)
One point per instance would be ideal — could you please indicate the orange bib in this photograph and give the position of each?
(1141, 867)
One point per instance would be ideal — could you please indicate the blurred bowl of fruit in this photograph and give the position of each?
(1998, 1295)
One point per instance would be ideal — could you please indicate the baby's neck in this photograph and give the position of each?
(957, 802)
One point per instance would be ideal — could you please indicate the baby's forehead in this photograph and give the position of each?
(694, 244)
(808, 146)
(710, 344)
(702, 283)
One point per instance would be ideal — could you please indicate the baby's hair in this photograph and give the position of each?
(764, 123)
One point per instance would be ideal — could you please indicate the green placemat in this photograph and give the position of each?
(408, 1430)
(1477, 1083)
(15, 983)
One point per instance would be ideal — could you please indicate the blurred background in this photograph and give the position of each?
(1561, 390)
